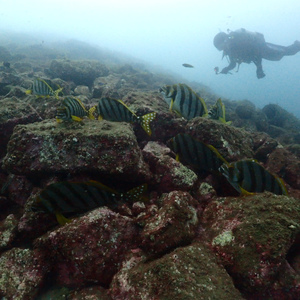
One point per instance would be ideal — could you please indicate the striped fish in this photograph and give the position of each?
(115, 110)
(78, 197)
(73, 109)
(184, 101)
(217, 112)
(247, 176)
(196, 153)
(44, 87)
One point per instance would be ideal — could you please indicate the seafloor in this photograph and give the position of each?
(192, 236)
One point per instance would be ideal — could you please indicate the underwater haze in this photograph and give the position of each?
(169, 33)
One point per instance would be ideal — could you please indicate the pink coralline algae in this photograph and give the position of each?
(89, 249)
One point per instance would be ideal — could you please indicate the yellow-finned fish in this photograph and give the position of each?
(73, 109)
(79, 197)
(196, 153)
(184, 101)
(115, 110)
(44, 88)
(217, 112)
(247, 177)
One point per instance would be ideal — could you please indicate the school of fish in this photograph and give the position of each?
(245, 176)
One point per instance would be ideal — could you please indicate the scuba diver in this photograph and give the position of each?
(243, 46)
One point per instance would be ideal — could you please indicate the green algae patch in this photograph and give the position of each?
(223, 239)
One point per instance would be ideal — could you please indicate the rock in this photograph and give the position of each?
(18, 189)
(107, 148)
(252, 236)
(82, 90)
(9, 79)
(169, 174)
(232, 143)
(186, 273)
(245, 109)
(279, 117)
(263, 145)
(94, 292)
(80, 72)
(90, 249)
(4, 54)
(22, 272)
(13, 112)
(8, 230)
(174, 224)
(23, 67)
(286, 165)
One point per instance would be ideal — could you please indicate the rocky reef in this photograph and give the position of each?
(190, 237)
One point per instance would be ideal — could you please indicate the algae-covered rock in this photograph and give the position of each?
(169, 174)
(186, 273)
(253, 237)
(286, 165)
(232, 143)
(174, 224)
(90, 249)
(13, 112)
(47, 147)
(80, 72)
(22, 272)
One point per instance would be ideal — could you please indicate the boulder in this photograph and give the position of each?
(253, 236)
(80, 72)
(190, 272)
(173, 225)
(90, 249)
(232, 143)
(13, 112)
(169, 174)
(106, 148)
(22, 273)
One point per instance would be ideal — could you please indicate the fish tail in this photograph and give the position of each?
(91, 112)
(245, 193)
(28, 92)
(62, 220)
(146, 120)
(77, 119)
(282, 185)
(56, 93)
(137, 193)
(171, 105)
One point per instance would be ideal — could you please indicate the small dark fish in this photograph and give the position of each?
(115, 110)
(188, 66)
(184, 101)
(78, 197)
(247, 177)
(216, 69)
(196, 153)
(73, 109)
(44, 87)
(217, 112)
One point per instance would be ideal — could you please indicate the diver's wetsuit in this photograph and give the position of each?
(245, 46)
